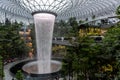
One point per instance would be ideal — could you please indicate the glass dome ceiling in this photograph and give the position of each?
(56, 6)
(81, 9)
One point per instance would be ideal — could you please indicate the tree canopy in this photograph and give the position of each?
(11, 44)
(88, 59)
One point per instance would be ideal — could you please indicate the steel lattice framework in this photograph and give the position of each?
(56, 6)
(81, 9)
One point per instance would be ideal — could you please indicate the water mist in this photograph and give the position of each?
(44, 24)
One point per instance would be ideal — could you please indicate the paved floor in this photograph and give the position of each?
(7, 67)
(6, 71)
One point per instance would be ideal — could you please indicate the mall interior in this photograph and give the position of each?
(59, 39)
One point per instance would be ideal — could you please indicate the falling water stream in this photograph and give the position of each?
(44, 23)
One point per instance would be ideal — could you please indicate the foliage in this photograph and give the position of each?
(58, 51)
(11, 44)
(74, 27)
(112, 49)
(56, 48)
(82, 58)
(19, 75)
(32, 34)
(93, 17)
(86, 19)
(61, 29)
(66, 28)
(80, 22)
(89, 30)
(7, 22)
(1, 68)
(88, 59)
(118, 11)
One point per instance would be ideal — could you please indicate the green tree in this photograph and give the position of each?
(87, 59)
(93, 16)
(82, 57)
(81, 21)
(11, 44)
(32, 34)
(118, 11)
(86, 19)
(1, 68)
(19, 75)
(111, 50)
(7, 22)
(61, 29)
(73, 27)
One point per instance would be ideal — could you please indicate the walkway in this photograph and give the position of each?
(7, 72)
(60, 42)
(7, 67)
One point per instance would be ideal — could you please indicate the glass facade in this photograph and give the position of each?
(81, 9)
